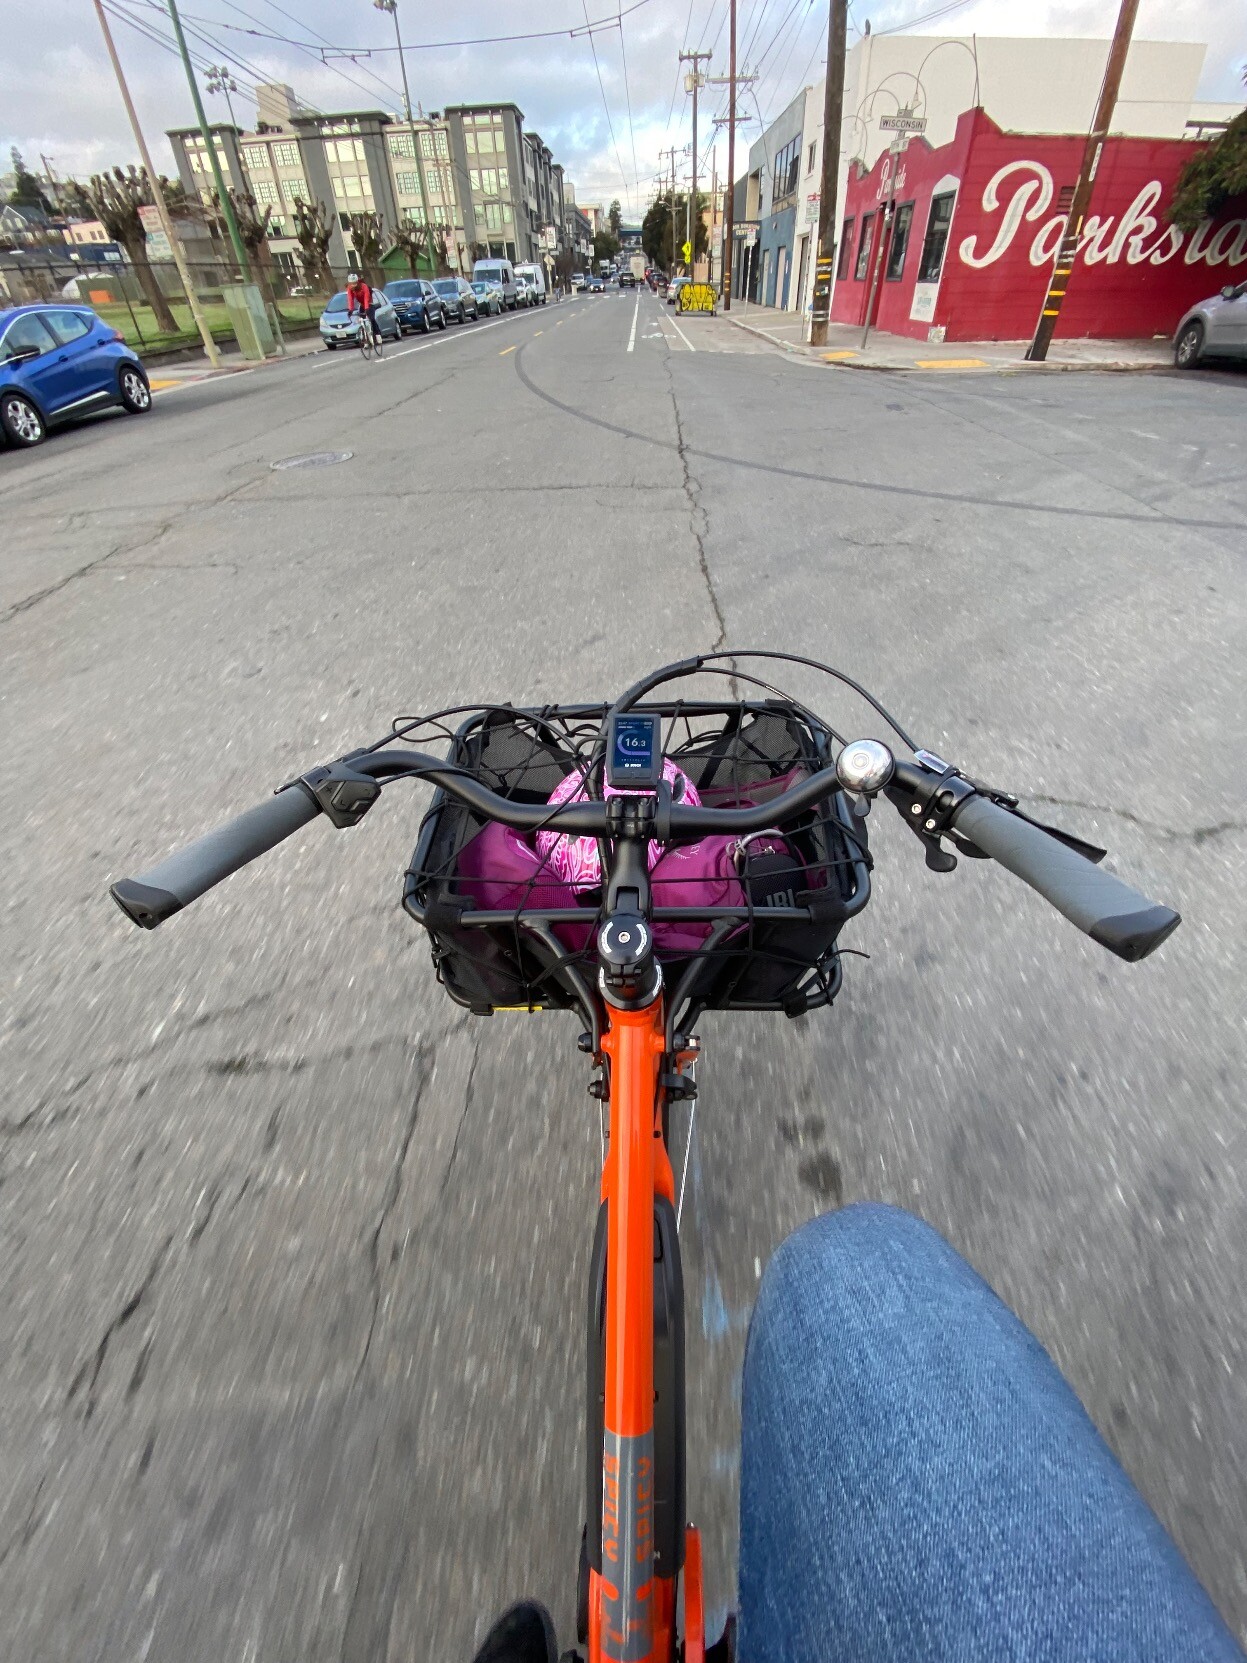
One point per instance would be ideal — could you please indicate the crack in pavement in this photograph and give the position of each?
(89, 1373)
(426, 1061)
(148, 541)
(699, 520)
(1156, 518)
(1196, 834)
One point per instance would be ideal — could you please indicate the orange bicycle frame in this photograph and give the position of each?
(632, 1596)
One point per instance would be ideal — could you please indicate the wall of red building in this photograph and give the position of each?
(1134, 275)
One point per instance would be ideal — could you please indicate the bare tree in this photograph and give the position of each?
(252, 222)
(115, 199)
(415, 242)
(313, 229)
(366, 230)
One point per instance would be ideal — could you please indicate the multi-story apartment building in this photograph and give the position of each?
(350, 162)
(488, 156)
(493, 187)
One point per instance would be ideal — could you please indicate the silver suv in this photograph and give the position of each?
(1215, 328)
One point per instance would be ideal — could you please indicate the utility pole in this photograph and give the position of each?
(731, 81)
(691, 83)
(1059, 281)
(833, 120)
(227, 206)
(731, 160)
(179, 258)
(671, 197)
(391, 6)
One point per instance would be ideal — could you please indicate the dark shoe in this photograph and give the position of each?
(524, 1634)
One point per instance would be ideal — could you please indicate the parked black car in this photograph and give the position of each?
(458, 299)
(416, 303)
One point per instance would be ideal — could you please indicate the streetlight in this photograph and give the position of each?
(391, 6)
(220, 80)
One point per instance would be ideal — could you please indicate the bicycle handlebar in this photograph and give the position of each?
(1103, 906)
(184, 875)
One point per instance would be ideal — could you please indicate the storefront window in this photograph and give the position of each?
(846, 249)
(901, 224)
(863, 249)
(936, 240)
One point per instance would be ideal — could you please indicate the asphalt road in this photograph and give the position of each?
(293, 1252)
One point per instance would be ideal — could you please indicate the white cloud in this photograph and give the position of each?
(61, 101)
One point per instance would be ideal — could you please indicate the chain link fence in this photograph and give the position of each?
(142, 303)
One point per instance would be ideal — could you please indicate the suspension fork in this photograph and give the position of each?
(636, 1410)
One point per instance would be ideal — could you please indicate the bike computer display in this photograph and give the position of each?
(633, 751)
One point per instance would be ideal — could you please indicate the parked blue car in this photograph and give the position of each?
(61, 362)
(416, 303)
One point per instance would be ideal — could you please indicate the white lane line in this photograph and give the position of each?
(683, 336)
(632, 336)
(464, 336)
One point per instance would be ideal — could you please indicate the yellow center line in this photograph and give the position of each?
(507, 349)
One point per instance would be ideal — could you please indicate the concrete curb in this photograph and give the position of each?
(809, 355)
(192, 354)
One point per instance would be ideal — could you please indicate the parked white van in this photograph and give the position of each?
(535, 277)
(502, 273)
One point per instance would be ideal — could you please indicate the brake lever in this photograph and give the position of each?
(929, 817)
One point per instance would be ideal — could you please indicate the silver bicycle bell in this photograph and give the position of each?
(865, 766)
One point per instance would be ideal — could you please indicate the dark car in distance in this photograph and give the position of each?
(458, 298)
(416, 303)
(61, 362)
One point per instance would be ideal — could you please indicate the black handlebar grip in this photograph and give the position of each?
(1102, 906)
(186, 874)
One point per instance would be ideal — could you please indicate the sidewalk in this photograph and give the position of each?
(899, 352)
(185, 369)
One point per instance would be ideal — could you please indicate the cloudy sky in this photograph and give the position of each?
(58, 98)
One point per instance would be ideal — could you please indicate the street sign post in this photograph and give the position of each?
(904, 121)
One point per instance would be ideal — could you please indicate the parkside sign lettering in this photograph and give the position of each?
(1139, 236)
(977, 224)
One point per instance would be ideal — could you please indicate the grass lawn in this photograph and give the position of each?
(137, 321)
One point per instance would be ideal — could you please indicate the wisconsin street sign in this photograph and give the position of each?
(902, 122)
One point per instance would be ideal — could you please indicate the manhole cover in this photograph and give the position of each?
(317, 459)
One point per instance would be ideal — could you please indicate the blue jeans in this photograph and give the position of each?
(918, 1481)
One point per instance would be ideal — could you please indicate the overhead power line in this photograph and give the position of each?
(594, 26)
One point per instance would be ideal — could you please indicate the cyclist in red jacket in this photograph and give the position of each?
(359, 293)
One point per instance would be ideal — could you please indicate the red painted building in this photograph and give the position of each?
(977, 223)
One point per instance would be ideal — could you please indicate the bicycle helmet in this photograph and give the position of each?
(352, 277)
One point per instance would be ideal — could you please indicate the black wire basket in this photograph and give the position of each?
(772, 949)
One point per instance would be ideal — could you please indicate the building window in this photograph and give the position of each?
(846, 249)
(504, 179)
(352, 185)
(901, 224)
(286, 155)
(863, 248)
(408, 184)
(469, 139)
(434, 144)
(256, 155)
(485, 142)
(277, 228)
(265, 191)
(785, 170)
(809, 157)
(939, 220)
(402, 144)
(506, 213)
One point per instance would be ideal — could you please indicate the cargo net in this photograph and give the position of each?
(717, 934)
